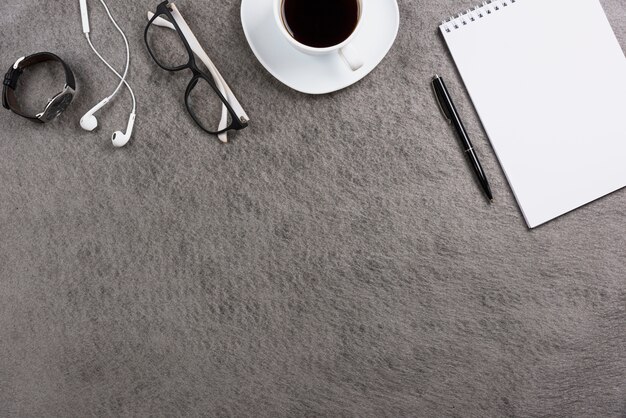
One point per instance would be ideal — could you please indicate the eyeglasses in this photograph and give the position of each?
(174, 48)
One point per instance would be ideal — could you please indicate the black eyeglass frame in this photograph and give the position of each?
(236, 123)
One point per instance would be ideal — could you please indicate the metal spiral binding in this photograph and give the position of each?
(471, 15)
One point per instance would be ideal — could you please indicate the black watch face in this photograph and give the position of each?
(56, 107)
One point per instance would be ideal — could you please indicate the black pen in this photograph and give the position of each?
(450, 112)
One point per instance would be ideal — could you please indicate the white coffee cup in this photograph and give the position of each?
(345, 49)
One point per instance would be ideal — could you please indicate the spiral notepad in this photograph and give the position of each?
(548, 80)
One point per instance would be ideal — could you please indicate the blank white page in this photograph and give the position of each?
(548, 80)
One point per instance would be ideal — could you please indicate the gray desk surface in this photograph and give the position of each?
(335, 259)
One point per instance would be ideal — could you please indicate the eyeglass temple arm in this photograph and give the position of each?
(200, 53)
(159, 21)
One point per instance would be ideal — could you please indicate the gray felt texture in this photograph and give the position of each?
(336, 259)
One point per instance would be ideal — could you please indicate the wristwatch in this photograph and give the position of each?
(55, 106)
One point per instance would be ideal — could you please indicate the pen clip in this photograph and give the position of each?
(441, 96)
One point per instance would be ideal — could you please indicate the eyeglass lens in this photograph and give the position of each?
(206, 106)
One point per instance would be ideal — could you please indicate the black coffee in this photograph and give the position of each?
(320, 23)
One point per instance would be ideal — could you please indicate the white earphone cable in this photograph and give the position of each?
(123, 82)
(121, 77)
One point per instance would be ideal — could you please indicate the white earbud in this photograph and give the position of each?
(85, 15)
(120, 138)
(89, 122)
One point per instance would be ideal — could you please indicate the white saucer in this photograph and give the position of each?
(321, 74)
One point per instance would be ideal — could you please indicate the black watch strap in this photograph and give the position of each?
(9, 98)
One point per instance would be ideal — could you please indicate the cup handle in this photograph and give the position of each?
(351, 56)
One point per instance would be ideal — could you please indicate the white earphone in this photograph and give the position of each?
(120, 138)
(89, 122)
